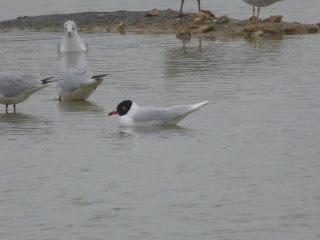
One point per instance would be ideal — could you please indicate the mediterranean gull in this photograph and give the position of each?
(131, 115)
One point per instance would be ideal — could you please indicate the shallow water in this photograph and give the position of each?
(246, 166)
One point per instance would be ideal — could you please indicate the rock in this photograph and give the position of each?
(142, 25)
(24, 17)
(170, 11)
(204, 29)
(251, 29)
(120, 27)
(166, 22)
(99, 29)
(95, 29)
(287, 30)
(273, 31)
(197, 19)
(206, 15)
(153, 13)
(312, 29)
(223, 19)
(256, 34)
(275, 18)
(183, 33)
(254, 19)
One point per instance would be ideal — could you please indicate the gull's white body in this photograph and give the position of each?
(72, 42)
(145, 117)
(76, 85)
(261, 3)
(16, 88)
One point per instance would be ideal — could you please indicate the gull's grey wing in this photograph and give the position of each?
(73, 79)
(14, 84)
(160, 115)
(261, 3)
(163, 116)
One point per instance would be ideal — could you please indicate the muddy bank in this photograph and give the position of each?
(166, 21)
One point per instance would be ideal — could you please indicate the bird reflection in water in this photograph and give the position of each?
(73, 60)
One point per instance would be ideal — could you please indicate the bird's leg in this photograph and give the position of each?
(182, 1)
(7, 108)
(14, 108)
(59, 98)
(258, 12)
(254, 10)
(199, 5)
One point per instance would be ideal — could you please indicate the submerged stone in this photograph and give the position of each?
(275, 18)
(204, 29)
(153, 13)
(223, 19)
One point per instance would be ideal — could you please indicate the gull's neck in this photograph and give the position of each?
(73, 37)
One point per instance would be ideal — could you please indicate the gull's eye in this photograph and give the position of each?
(65, 28)
(124, 108)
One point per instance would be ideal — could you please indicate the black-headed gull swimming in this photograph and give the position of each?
(72, 42)
(131, 115)
(260, 3)
(16, 88)
(77, 84)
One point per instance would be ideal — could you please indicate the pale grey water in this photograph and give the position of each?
(246, 166)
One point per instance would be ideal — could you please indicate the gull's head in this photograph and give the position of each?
(123, 108)
(70, 28)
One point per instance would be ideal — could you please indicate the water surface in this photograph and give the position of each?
(246, 166)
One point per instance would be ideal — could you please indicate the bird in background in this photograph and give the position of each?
(16, 88)
(77, 84)
(72, 42)
(131, 115)
(259, 3)
(182, 2)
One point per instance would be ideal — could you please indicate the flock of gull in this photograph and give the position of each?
(78, 84)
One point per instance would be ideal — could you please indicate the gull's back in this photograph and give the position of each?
(13, 84)
(73, 79)
(163, 116)
(261, 3)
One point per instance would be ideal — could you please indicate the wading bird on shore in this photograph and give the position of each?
(260, 3)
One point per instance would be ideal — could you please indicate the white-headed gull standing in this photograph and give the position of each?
(16, 88)
(131, 115)
(72, 42)
(260, 3)
(77, 84)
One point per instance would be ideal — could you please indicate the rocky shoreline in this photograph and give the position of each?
(167, 21)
